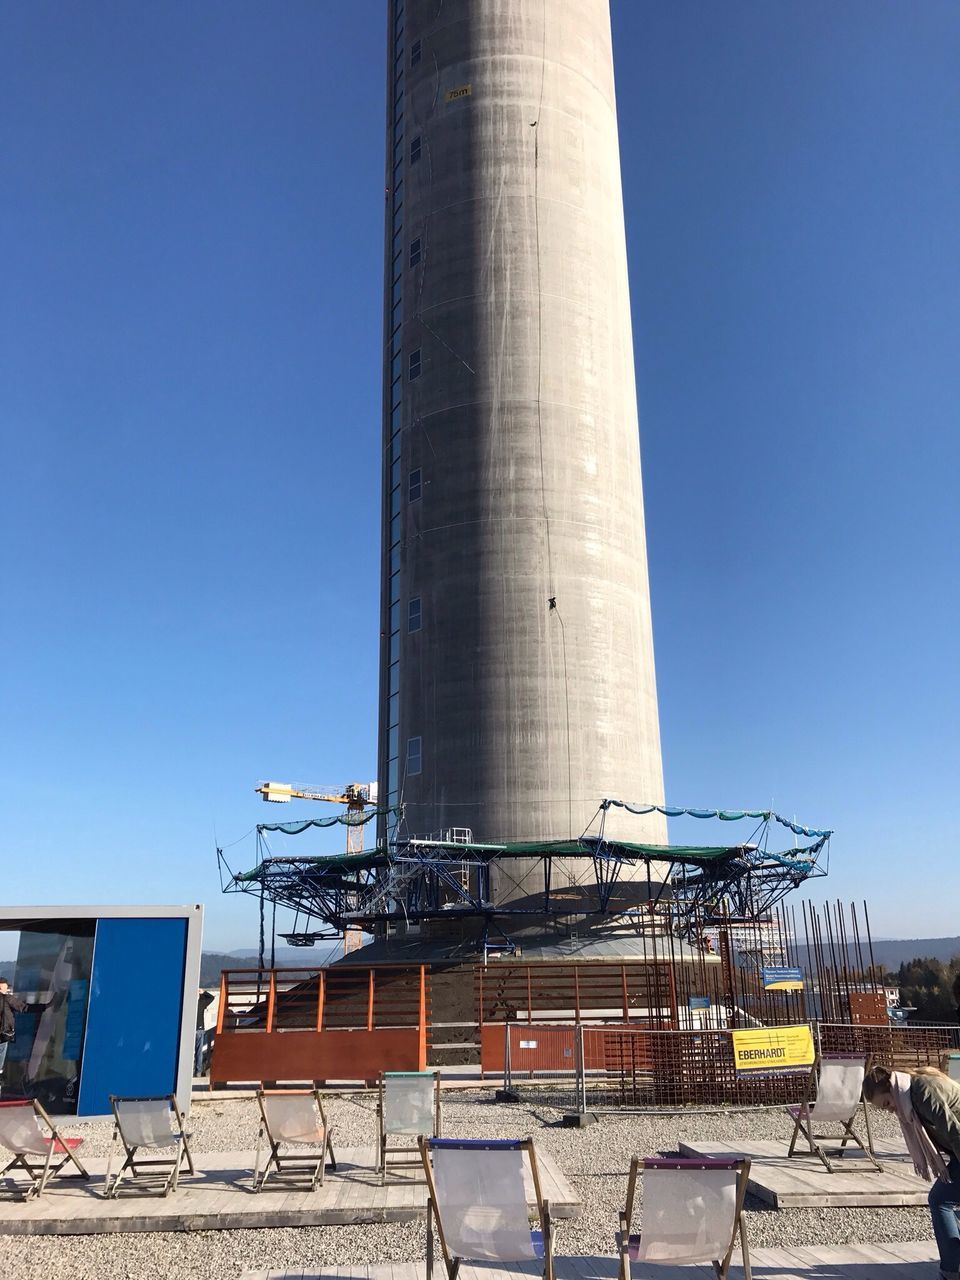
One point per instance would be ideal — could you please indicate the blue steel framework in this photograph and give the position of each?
(414, 881)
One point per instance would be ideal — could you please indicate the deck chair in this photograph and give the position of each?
(837, 1080)
(477, 1198)
(409, 1106)
(293, 1117)
(154, 1142)
(692, 1212)
(36, 1144)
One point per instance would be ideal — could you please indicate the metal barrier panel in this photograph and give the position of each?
(240, 1056)
(534, 1048)
(632, 1067)
(907, 1047)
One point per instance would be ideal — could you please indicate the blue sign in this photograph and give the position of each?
(76, 1017)
(781, 978)
(698, 1002)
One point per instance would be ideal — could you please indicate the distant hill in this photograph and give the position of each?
(211, 962)
(295, 957)
(889, 952)
(893, 952)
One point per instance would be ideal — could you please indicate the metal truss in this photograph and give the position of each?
(418, 880)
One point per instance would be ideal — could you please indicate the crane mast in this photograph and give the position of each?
(357, 796)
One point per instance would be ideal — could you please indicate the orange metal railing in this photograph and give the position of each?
(342, 1023)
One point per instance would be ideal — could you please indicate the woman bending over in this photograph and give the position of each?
(927, 1104)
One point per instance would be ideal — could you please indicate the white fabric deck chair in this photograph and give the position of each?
(409, 1107)
(36, 1144)
(692, 1212)
(293, 1118)
(838, 1081)
(154, 1142)
(477, 1196)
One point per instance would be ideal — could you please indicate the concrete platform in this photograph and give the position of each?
(219, 1197)
(791, 1182)
(852, 1262)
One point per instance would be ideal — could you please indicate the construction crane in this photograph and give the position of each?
(355, 795)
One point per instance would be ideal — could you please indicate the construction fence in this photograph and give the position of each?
(584, 1068)
(639, 1035)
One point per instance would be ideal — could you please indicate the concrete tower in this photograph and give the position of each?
(517, 670)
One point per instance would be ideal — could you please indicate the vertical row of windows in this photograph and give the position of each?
(396, 411)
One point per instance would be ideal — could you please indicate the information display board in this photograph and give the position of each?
(781, 978)
(771, 1050)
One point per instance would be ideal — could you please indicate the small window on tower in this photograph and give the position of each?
(415, 252)
(416, 52)
(414, 365)
(414, 614)
(415, 149)
(414, 755)
(414, 482)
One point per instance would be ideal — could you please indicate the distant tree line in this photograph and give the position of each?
(931, 986)
(211, 962)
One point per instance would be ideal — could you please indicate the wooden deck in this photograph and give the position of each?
(852, 1262)
(220, 1198)
(791, 1182)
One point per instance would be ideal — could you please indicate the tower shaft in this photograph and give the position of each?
(517, 670)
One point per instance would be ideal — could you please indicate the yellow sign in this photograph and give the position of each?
(773, 1049)
(464, 91)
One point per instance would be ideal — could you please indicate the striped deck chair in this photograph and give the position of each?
(837, 1079)
(293, 1118)
(409, 1107)
(692, 1212)
(478, 1201)
(36, 1144)
(154, 1142)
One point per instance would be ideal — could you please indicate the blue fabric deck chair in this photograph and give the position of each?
(293, 1118)
(477, 1198)
(692, 1213)
(409, 1106)
(154, 1140)
(837, 1079)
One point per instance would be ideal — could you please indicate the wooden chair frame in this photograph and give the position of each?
(292, 1163)
(163, 1167)
(41, 1169)
(804, 1119)
(406, 1150)
(453, 1262)
(720, 1265)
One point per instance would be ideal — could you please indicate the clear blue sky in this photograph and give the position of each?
(190, 256)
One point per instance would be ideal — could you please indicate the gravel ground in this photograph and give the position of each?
(594, 1159)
